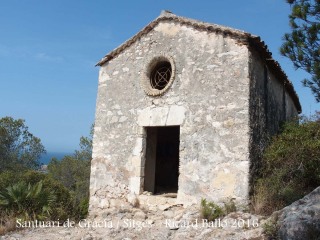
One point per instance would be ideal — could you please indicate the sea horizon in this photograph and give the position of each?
(45, 158)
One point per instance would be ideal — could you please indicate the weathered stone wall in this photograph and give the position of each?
(270, 106)
(291, 110)
(257, 111)
(209, 99)
(276, 109)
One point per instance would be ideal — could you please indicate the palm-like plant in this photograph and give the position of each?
(14, 197)
(30, 201)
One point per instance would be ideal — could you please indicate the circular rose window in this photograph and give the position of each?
(158, 76)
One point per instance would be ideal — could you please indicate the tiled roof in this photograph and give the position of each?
(240, 36)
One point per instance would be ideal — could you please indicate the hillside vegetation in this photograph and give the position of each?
(291, 166)
(28, 194)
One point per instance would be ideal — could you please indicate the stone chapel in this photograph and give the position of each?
(183, 111)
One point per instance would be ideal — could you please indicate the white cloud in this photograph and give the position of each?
(46, 57)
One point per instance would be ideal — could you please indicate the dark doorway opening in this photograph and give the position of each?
(162, 159)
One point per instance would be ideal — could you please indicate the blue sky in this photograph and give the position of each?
(48, 50)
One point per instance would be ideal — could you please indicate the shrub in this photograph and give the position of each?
(83, 208)
(210, 210)
(74, 175)
(9, 177)
(270, 229)
(61, 208)
(230, 206)
(290, 166)
(27, 201)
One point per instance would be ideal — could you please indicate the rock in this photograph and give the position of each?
(178, 216)
(163, 207)
(301, 220)
(139, 215)
(174, 225)
(16, 236)
(168, 214)
(156, 225)
(88, 237)
(105, 214)
(150, 221)
(133, 200)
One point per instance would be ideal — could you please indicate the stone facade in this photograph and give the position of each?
(226, 96)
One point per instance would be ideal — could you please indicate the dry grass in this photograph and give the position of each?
(262, 202)
(7, 224)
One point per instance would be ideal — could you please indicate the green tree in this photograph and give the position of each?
(85, 152)
(74, 173)
(19, 149)
(302, 45)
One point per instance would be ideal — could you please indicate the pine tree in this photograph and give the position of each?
(302, 45)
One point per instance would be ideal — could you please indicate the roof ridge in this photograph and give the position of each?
(167, 15)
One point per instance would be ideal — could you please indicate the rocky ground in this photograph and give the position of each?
(300, 220)
(135, 223)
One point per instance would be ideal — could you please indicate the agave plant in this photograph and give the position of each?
(30, 201)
